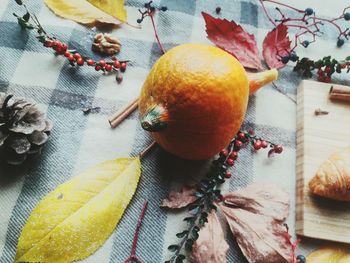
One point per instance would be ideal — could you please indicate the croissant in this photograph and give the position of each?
(332, 179)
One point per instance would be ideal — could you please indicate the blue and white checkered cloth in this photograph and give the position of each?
(79, 141)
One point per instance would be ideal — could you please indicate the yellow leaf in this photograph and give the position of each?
(335, 254)
(90, 11)
(74, 220)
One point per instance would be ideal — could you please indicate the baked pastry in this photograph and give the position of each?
(332, 180)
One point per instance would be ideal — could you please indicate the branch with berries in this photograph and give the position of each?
(308, 23)
(208, 194)
(29, 21)
(150, 11)
(325, 67)
(309, 27)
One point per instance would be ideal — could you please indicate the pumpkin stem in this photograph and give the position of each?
(258, 80)
(155, 119)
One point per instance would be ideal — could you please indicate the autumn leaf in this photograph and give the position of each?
(211, 245)
(74, 220)
(232, 38)
(276, 45)
(255, 216)
(90, 11)
(180, 198)
(335, 254)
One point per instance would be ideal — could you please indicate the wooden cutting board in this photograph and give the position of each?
(317, 138)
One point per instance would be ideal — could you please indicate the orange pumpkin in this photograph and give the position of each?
(194, 99)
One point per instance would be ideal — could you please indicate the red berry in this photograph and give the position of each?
(234, 155)
(67, 54)
(55, 43)
(224, 153)
(241, 136)
(238, 144)
(80, 61)
(102, 63)
(264, 144)
(320, 78)
(70, 57)
(116, 64)
(327, 79)
(278, 148)
(230, 161)
(48, 43)
(90, 62)
(327, 70)
(97, 67)
(320, 72)
(228, 174)
(64, 47)
(76, 56)
(257, 145)
(221, 198)
(123, 66)
(108, 67)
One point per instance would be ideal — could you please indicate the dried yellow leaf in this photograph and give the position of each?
(333, 254)
(74, 220)
(90, 11)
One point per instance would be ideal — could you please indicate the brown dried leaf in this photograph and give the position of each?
(210, 245)
(263, 199)
(180, 199)
(255, 216)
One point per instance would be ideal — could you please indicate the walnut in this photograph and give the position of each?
(107, 44)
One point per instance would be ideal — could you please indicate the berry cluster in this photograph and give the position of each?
(325, 67)
(208, 193)
(72, 56)
(149, 11)
(75, 58)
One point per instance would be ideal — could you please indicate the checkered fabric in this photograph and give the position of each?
(29, 70)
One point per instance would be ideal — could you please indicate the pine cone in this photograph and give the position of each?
(24, 129)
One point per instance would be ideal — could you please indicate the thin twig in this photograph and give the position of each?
(156, 34)
(147, 149)
(133, 256)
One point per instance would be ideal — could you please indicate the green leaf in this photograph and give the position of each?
(347, 58)
(179, 260)
(41, 38)
(74, 220)
(22, 23)
(189, 219)
(173, 248)
(26, 17)
(182, 234)
(19, 2)
(188, 245)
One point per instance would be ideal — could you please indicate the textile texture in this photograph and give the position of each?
(79, 141)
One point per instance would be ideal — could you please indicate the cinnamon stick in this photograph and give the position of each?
(340, 93)
(124, 112)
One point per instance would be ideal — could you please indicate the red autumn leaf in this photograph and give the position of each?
(232, 38)
(276, 45)
(180, 199)
(211, 245)
(255, 216)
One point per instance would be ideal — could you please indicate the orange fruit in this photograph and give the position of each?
(194, 100)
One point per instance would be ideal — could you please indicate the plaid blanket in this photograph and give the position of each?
(79, 141)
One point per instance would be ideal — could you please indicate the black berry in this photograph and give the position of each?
(293, 57)
(164, 8)
(305, 43)
(347, 16)
(340, 42)
(218, 10)
(301, 259)
(285, 59)
(309, 11)
(139, 21)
